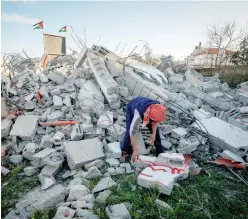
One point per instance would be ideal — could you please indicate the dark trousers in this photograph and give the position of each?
(126, 143)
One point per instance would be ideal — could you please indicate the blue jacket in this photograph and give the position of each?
(135, 113)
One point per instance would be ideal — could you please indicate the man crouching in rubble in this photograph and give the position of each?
(152, 113)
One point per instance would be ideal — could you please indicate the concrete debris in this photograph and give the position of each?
(6, 125)
(73, 112)
(102, 196)
(160, 204)
(78, 152)
(4, 171)
(25, 127)
(104, 184)
(15, 159)
(118, 211)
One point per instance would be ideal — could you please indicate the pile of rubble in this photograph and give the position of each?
(73, 112)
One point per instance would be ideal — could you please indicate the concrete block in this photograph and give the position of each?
(231, 156)
(77, 191)
(56, 77)
(187, 146)
(81, 213)
(67, 130)
(39, 158)
(88, 198)
(87, 128)
(172, 159)
(81, 57)
(114, 150)
(30, 171)
(166, 144)
(16, 158)
(118, 211)
(77, 132)
(117, 131)
(82, 204)
(105, 120)
(6, 125)
(46, 181)
(162, 177)
(57, 102)
(50, 170)
(55, 91)
(244, 109)
(144, 161)
(79, 153)
(86, 118)
(57, 138)
(104, 184)
(64, 212)
(95, 163)
(55, 159)
(30, 105)
(225, 135)
(93, 172)
(29, 150)
(102, 196)
(243, 98)
(25, 127)
(46, 141)
(179, 133)
(113, 162)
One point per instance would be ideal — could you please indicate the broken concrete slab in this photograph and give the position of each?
(29, 150)
(5, 127)
(113, 162)
(77, 132)
(118, 211)
(93, 172)
(77, 191)
(105, 120)
(50, 170)
(64, 212)
(179, 133)
(86, 214)
(25, 127)
(55, 116)
(30, 171)
(46, 181)
(78, 152)
(81, 57)
(231, 156)
(46, 141)
(95, 163)
(114, 150)
(187, 146)
(88, 198)
(225, 135)
(16, 158)
(57, 138)
(104, 184)
(56, 77)
(172, 159)
(39, 158)
(55, 159)
(102, 196)
(57, 102)
(117, 131)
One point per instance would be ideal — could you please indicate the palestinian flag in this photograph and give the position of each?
(38, 25)
(63, 29)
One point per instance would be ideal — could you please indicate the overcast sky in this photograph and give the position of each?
(169, 27)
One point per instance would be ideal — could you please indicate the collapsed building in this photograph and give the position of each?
(73, 111)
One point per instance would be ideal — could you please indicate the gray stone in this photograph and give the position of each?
(46, 141)
(117, 131)
(67, 130)
(102, 196)
(113, 162)
(86, 118)
(105, 120)
(46, 181)
(128, 168)
(77, 191)
(56, 77)
(5, 127)
(30, 171)
(55, 91)
(93, 172)
(39, 158)
(64, 212)
(80, 174)
(118, 211)
(57, 102)
(50, 170)
(120, 170)
(30, 105)
(29, 150)
(55, 159)
(114, 150)
(85, 214)
(56, 115)
(161, 204)
(57, 138)
(80, 152)
(104, 184)
(87, 128)
(15, 159)
(112, 171)
(25, 127)
(96, 163)
(77, 132)
(82, 204)
(76, 181)
(67, 101)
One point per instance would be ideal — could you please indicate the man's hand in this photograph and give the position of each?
(152, 138)
(135, 156)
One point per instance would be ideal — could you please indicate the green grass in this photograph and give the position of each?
(13, 188)
(218, 196)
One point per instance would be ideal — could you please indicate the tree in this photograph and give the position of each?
(240, 57)
(223, 39)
